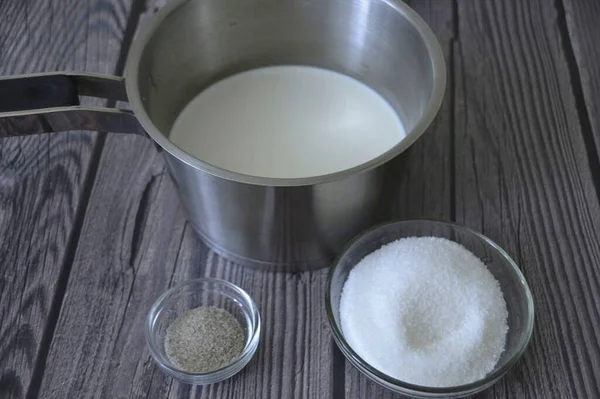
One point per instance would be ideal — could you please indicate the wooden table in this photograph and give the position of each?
(92, 230)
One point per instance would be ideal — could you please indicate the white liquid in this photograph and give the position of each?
(287, 122)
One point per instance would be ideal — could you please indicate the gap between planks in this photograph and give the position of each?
(577, 86)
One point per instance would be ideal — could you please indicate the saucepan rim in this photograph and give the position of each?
(132, 85)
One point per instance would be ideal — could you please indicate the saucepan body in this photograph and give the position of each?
(281, 224)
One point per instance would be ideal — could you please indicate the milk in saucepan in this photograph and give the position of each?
(287, 122)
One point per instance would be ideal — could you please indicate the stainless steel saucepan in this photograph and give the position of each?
(270, 223)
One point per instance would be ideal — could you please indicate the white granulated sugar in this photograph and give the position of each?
(425, 310)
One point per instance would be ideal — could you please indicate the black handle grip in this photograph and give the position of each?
(37, 92)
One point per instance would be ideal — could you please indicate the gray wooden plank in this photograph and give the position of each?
(523, 179)
(423, 176)
(134, 245)
(126, 257)
(582, 20)
(43, 178)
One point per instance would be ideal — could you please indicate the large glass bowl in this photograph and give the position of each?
(516, 293)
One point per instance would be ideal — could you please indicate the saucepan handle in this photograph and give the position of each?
(49, 102)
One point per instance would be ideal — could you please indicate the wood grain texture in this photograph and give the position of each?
(423, 176)
(523, 179)
(134, 245)
(506, 156)
(126, 256)
(43, 178)
(583, 20)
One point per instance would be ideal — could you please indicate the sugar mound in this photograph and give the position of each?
(425, 310)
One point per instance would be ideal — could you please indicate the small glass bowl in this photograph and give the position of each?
(519, 301)
(192, 294)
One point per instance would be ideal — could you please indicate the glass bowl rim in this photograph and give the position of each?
(164, 363)
(367, 369)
